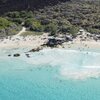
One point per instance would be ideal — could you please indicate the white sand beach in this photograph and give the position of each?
(36, 41)
(84, 44)
(20, 41)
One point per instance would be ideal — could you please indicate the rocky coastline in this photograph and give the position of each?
(38, 43)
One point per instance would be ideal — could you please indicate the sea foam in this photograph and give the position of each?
(72, 64)
(80, 74)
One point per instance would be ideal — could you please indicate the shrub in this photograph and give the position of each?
(15, 14)
(64, 28)
(45, 21)
(4, 23)
(34, 25)
(30, 14)
(29, 22)
(73, 30)
(93, 30)
(23, 14)
(52, 28)
(18, 20)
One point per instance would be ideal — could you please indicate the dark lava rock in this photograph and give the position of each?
(9, 55)
(36, 49)
(54, 42)
(16, 55)
(28, 55)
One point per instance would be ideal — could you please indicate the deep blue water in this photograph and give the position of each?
(39, 77)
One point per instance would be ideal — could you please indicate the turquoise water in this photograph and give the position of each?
(41, 77)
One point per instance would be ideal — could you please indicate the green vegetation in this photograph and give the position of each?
(19, 17)
(70, 16)
(52, 28)
(73, 30)
(8, 27)
(4, 23)
(63, 18)
(34, 25)
(93, 30)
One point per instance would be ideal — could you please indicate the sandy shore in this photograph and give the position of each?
(82, 44)
(19, 41)
(37, 41)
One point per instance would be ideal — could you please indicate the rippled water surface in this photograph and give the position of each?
(51, 74)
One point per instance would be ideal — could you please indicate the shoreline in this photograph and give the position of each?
(23, 42)
(83, 44)
(33, 42)
(39, 40)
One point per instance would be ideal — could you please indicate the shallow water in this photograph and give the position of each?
(51, 74)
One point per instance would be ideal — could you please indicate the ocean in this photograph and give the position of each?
(51, 74)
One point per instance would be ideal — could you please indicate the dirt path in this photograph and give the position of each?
(22, 31)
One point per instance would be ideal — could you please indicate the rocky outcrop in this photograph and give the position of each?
(9, 55)
(36, 49)
(54, 41)
(83, 35)
(27, 55)
(16, 55)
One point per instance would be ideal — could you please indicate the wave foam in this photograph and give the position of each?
(94, 67)
(80, 74)
(73, 64)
